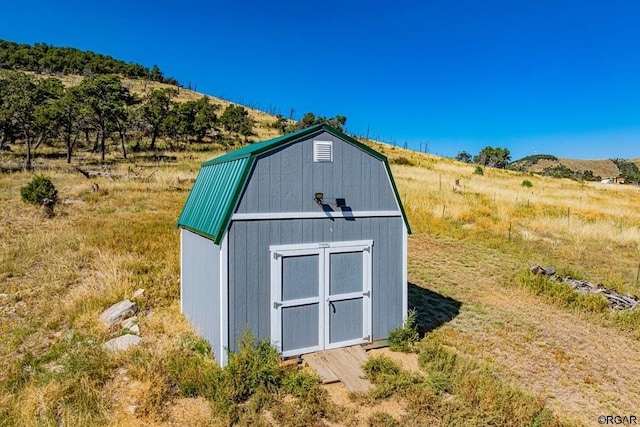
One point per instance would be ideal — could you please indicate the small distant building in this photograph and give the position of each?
(616, 180)
(303, 238)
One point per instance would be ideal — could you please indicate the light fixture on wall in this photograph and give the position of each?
(319, 198)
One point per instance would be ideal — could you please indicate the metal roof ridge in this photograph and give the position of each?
(262, 146)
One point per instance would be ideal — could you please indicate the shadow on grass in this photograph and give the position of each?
(433, 310)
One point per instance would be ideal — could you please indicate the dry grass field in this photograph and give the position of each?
(518, 356)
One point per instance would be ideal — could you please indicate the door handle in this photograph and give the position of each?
(333, 306)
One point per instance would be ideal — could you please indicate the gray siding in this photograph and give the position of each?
(287, 179)
(201, 288)
(299, 277)
(249, 267)
(300, 326)
(346, 322)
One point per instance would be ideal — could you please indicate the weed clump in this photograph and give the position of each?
(527, 183)
(382, 419)
(403, 338)
(389, 377)
(564, 296)
(452, 390)
(561, 294)
(252, 368)
(252, 382)
(402, 161)
(478, 170)
(465, 392)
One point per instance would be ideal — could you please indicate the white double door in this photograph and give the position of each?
(320, 296)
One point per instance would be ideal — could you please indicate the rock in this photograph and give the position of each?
(129, 322)
(135, 329)
(56, 369)
(3, 296)
(122, 343)
(117, 312)
(137, 294)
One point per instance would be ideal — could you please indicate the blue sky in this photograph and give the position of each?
(537, 77)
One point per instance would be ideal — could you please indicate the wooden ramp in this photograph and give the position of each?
(341, 364)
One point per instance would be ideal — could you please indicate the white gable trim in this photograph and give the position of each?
(311, 215)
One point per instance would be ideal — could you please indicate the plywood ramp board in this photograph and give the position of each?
(341, 364)
(319, 364)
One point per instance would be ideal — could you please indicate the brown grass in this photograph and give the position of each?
(469, 243)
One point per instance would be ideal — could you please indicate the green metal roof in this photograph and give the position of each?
(219, 184)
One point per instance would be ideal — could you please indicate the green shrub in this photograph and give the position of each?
(628, 320)
(253, 368)
(478, 171)
(403, 338)
(527, 183)
(194, 375)
(300, 384)
(38, 189)
(312, 403)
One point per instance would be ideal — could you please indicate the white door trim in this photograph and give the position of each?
(366, 247)
(276, 253)
(323, 250)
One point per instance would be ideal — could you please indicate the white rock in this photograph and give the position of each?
(129, 322)
(137, 294)
(3, 296)
(135, 329)
(132, 409)
(117, 312)
(56, 369)
(122, 343)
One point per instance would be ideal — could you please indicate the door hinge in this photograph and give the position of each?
(367, 294)
(277, 305)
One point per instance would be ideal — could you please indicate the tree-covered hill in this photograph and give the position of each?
(43, 58)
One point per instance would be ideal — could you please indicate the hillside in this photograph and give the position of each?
(473, 237)
(487, 327)
(605, 168)
(262, 129)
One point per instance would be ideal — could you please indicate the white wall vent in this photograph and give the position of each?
(323, 151)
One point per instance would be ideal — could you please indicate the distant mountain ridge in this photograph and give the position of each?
(546, 164)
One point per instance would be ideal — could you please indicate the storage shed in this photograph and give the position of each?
(303, 238)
